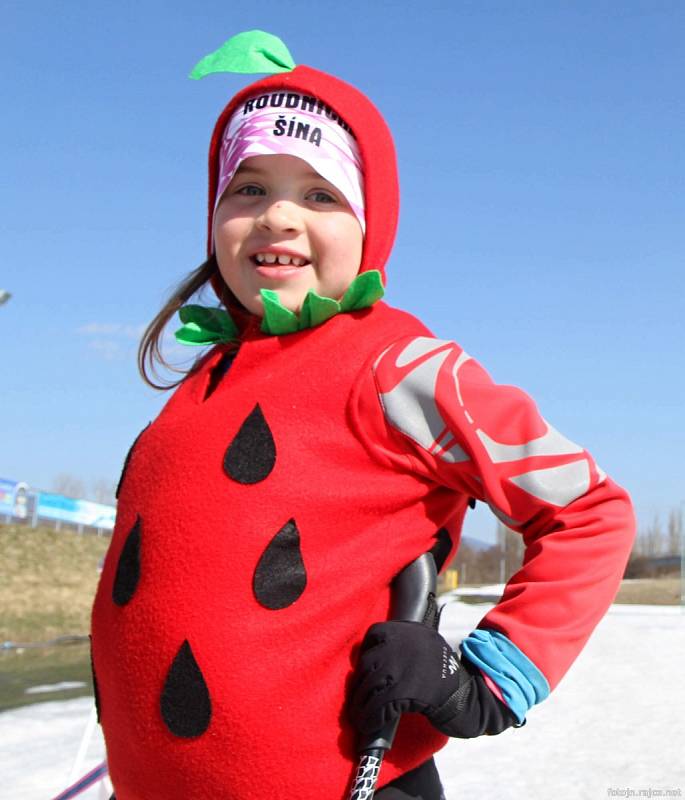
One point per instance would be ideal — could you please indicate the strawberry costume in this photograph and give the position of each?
(264, 513)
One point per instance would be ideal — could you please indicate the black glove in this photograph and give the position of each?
(407, 666)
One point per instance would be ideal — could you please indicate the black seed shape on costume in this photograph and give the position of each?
(185, 704)
(441, 548)
(128, 568)
(127, 459)
(251, 455)
(280, 576)
(95, 681)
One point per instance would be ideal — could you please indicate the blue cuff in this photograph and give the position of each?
(520, 681)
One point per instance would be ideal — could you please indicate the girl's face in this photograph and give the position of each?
(281, 226)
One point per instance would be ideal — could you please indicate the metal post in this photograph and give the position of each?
(682, 568)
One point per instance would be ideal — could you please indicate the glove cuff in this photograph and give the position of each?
(472, 709)
(455, 704)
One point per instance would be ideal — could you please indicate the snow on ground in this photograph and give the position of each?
(616, 722)
(39, 745)
(494, 589)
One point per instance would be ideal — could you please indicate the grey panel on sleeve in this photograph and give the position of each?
(556, 485)
(551, 443)
(410, 407)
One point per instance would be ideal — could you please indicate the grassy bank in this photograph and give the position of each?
(651, 591)
(44, 674)
(47, 582)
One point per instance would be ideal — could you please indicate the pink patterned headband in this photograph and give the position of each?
(288, 123)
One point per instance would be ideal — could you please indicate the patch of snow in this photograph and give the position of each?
(615, 722)
(491, 589)
(46, 688)
(39, 745)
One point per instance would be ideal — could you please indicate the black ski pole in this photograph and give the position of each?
(413, 599)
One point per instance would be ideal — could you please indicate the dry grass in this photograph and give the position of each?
(650, 591)
(47, 582)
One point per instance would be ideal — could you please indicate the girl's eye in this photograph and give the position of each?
(250, 190)
(320, 196)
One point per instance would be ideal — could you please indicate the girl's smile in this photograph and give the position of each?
(279, 225)
(278, 262)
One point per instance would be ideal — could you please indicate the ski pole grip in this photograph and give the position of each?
(413, 591)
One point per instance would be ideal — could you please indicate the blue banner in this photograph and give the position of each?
(13, 498)
(78, 512)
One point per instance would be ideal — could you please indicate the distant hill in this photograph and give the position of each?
(476, 544)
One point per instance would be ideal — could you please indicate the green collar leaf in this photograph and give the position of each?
(203, 326)
(248, 52)
(363, 292)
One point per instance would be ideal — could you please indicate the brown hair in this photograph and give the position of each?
(150, 356)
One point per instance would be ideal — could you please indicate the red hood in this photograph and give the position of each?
(381, 189)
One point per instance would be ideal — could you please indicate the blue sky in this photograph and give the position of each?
(540, 147)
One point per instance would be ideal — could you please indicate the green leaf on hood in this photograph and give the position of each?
(363, 292)
(277, 318)
(248, 52)
(317, 309)
(203, 326)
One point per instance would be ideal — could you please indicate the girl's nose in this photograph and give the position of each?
(280, 216)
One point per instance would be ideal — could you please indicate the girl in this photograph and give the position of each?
(322, 444)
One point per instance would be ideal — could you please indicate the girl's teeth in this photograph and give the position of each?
(283, 260)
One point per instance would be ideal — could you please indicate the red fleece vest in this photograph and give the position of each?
(255, 543)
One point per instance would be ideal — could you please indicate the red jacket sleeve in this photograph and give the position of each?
(432, 408)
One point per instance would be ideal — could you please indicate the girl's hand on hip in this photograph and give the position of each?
(407, 666)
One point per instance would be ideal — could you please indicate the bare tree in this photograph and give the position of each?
(650, 540)
(68, 485)
(511, 548)
(675, 531)
(478, 566)
(102, 491)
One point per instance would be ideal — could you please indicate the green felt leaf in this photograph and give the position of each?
(317, 310)
(305, 320)
(277, 318)
(363, 292)
(205, 326)
(248, 52)
(192, 334)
